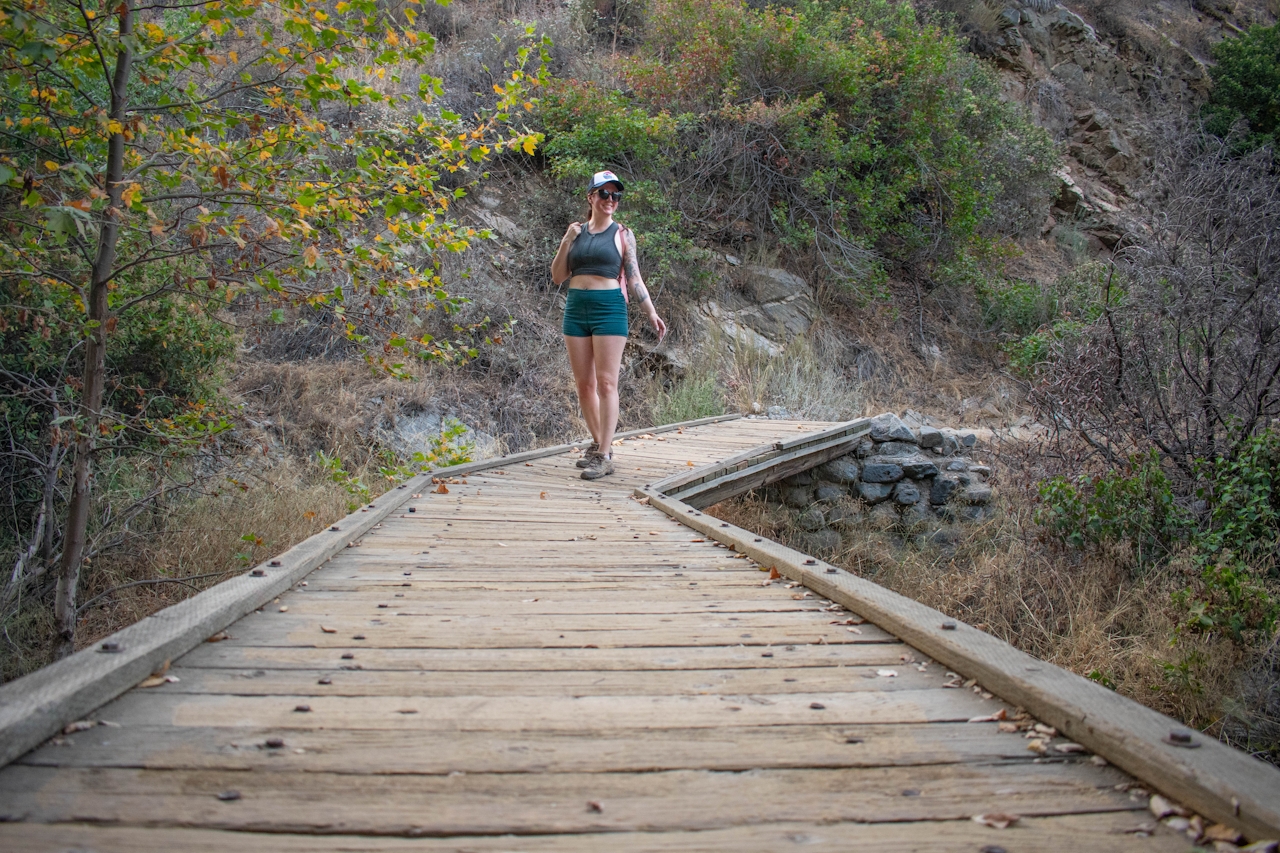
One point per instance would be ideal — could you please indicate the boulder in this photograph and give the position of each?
(906, 493)
(958, 465)
(930, 437)
(942, 490)
(829, 492)
(865, 448)
(797, 496)
(918, 468)
(896, 448)
(820, 543)
(840, 470)
(977, 493)
(874, 493)
(881, 470)
(812, 519)
(889, 427)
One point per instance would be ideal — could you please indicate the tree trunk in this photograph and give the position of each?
(95, 353)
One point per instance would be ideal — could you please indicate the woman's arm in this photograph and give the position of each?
(560, 263)
(632, 266)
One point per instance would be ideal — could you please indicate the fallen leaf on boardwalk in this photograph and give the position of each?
(995, 820)
(1069, 748)
(766, 582)
(501, 545)
(697, 540)
(78, 726)
(642, 501)
(528, 464)
(796, 597)
(219, 637)
(1222, 832)
(854, 630)
(595, 806)
(152, 681)
(416, 495)
(654, 533)
(542, 496)
(617, 442)
(690, 464)
(660, 438)
(1037, 745)
(1162, 808)
(1008, 728)
(442, 489)
(328, 630)
(1002, 714)
(887, 673)
(1047, 731)
(284, 608)
(773, 573)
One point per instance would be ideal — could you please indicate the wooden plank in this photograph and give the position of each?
(474, 803)
(232, 654)
(514, 712)
(587, 750)
(1114, 832)
(262, 681)
(1216, 780)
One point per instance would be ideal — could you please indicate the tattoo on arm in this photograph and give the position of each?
(633, 267)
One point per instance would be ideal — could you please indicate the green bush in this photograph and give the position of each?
(1246, 85)
(689, 398)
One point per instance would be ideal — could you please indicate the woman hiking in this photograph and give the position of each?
(598, 258)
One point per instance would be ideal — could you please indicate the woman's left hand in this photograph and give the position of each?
(658, 325)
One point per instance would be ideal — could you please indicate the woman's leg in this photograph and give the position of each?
(582, 362)
(608, 362)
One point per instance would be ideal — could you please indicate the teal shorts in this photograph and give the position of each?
(595, 312)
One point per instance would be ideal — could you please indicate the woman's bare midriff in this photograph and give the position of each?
(592, 282)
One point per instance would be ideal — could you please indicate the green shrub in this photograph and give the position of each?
(689, 398)
(1246, 85)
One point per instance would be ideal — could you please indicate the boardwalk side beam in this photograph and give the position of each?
(38, 705)
(1216, 780)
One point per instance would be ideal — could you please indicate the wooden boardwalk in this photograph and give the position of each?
(534, 662)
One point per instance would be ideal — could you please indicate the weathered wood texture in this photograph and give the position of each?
(536, 656)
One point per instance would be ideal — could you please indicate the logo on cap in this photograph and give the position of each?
(599, 179)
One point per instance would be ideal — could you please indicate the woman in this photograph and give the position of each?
(599, 258)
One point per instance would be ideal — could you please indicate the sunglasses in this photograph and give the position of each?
(607, 195)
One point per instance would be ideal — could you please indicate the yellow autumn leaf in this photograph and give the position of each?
(529, 144)
(310, 255)
(114, 127)
(131, 194)
(50, 165)
(233, 56)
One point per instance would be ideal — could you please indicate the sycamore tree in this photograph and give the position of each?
(287, 151)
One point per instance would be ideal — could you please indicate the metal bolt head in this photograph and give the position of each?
(811, 562)
(413, 509)
(227, 796)
(111, 647)
(275, 743)
(274, 563)
(831, 570)
(1182, 738)
(949, 625)
(257, 573)
(335, 528)
(302, 709)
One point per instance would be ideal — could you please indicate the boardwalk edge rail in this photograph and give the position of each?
(39, 704)
(1216, 780)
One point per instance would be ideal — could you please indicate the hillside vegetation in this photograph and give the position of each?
(264, 258)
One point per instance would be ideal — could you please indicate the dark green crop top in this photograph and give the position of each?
(595, 254)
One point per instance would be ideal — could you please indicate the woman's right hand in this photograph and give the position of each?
(571, 233)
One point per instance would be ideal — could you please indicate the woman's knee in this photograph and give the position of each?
(606, 386)
(587, 386)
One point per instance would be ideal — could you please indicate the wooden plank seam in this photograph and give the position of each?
(38, 705)
(1216, 780)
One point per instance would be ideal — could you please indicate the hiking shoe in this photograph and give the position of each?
(588, 455)
(600, 466)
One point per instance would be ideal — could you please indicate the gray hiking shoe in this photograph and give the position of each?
(591, 452)
(600, 466)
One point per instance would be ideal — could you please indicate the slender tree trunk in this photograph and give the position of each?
(95, 353)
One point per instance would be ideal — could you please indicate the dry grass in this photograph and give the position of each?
(1088, 613)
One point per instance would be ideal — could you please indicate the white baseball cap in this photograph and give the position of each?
(599, 179)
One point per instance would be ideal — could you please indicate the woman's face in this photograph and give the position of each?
(604, 203)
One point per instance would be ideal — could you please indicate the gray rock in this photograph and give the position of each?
(984, 470)
(845, 516)
(829, 492)
(906, 493)
(974, 513)
(896, 448)
(977, 493)
(889, 427)
(777, 413)
(878, 470)
(930, 437)
(820, 543)
(797, 496)
(865, 448)
(874, 493)
(943, 489)
(958, 465)
(918, 468)
(1009, 18)
(812, 519)
(947, 537)
(883, 516)
(840, 470)
(950, 446)
(967, 439)
(916, 514)
(801, 478)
